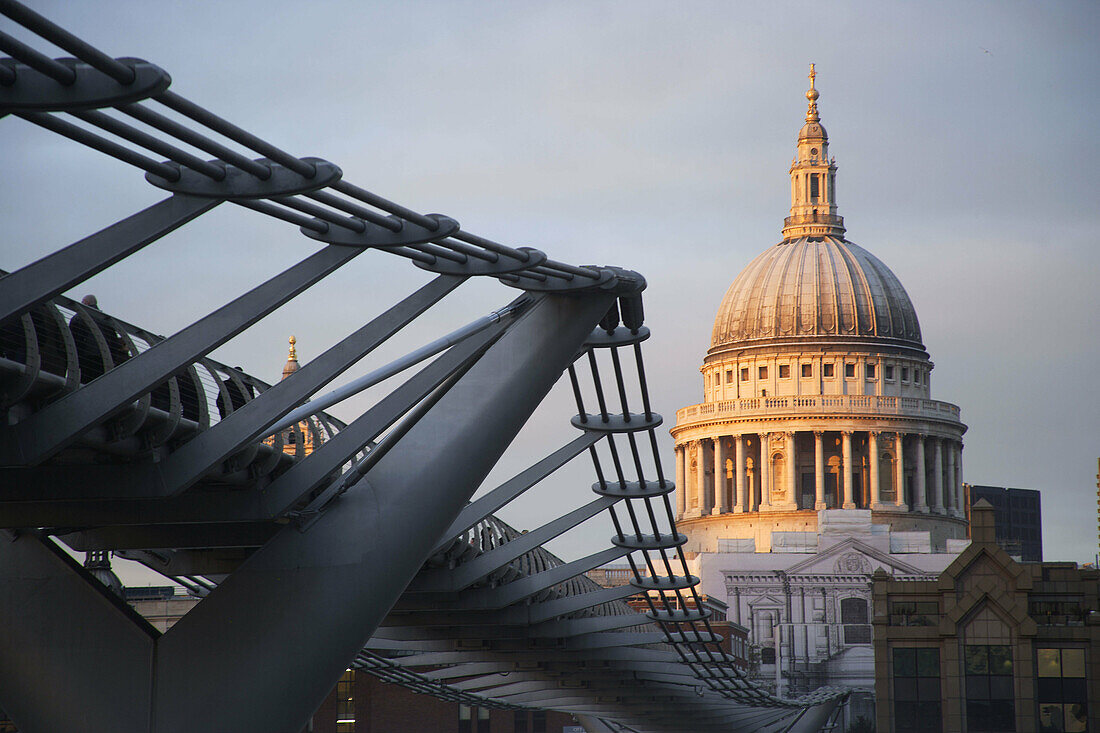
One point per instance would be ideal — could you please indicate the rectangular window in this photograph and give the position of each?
(784, 371)
(729, 376)
(990, 696)
(345, 703)
(869, 371)
(849, 370)
(917, 698)
(815, 187)
(1055, 611)
(914, 613)
(763, 372)
(826, 370)
(744, 374)
(538, 721)
(1062, 692)
(807, 370)
(916, 376)
(889, 371)
(905, 374)
(519, 724)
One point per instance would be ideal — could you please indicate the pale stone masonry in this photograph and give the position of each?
(817, 455)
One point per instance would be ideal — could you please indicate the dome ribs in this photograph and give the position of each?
(786, 298)
(862, 296)
(845, 306)
(807, 309)
(814, 287)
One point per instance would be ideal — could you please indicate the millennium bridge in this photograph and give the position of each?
(366, 551)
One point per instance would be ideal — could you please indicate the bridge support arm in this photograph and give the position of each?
(303, 605)
(75, 657)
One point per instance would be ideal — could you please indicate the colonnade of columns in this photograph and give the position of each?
(734, 474)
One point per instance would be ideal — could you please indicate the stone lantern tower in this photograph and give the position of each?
(816, 391)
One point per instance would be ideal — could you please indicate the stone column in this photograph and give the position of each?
(899, 473)
(765, 474)
(937, 475)
(949, 484)
(819, 471)
(921, 499)
(846, 469)
(739, 473)
(701, 477)
(721, 495)
(681, 486)
(872, 467)
(792, 472)
(959, 492)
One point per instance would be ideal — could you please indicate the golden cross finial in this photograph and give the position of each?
(813, 75)
(293, 356)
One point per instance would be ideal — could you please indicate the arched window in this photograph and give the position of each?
(887, 477)
(778, 476)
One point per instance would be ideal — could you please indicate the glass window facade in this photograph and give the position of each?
(990, 692)
(1061, 690)
(917, 699)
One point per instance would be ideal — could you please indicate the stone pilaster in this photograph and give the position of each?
(873, 469)
(721, 494)
(899, 474)
(950, 498)
(739, 474)
(921, 478)
(846, 478)
(765, 473)
(681, 485)
(701, 477)
(819, 471)
(937, 475)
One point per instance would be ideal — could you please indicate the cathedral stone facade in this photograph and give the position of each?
(818, 455)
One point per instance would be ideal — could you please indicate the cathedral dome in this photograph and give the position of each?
(814, 287)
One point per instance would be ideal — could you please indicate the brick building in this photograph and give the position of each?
(991, 645)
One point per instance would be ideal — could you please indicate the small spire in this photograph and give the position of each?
(812, 95)
(291, 360)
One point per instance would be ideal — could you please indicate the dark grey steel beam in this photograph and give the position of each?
(187, 464)
(474, 570)
(514, 591)
(318, 467)
(588, 625)
(55, 273)
(179, 536)
(52, 428)
(571, 604)
(330, 574)
(509, 490)
(75, 657)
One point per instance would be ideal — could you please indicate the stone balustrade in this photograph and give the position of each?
(809, 405)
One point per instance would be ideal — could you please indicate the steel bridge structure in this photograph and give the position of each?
(367, 551)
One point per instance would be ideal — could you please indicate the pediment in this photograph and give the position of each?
(765, 600)
(852, 557)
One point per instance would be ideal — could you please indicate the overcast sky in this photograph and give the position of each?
(655, 136)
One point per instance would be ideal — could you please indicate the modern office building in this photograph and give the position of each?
(991, 644)
(1019, 518)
